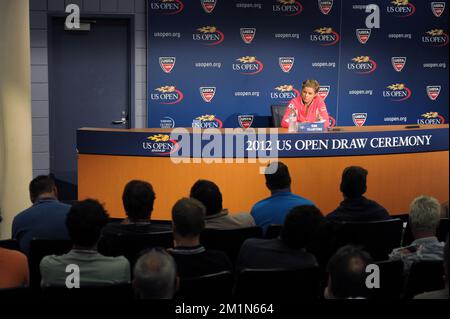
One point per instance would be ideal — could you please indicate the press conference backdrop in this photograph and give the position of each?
(211, 61)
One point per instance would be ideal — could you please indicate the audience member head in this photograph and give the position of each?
(208, 194)
(277, 176)
(347, 274)
(155, 275)
(84, 223)
(424, 216)
(188, 218)
(300, 226)
(353, 183)
(138, 198)
(43, 186)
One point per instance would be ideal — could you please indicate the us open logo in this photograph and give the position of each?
(207, 93)
(248, 65)
(401, 8)
(362, 65)
(324, 90)
(286, 63)
(160, 144)
(207, 121)
(363, 35)
(208, 5)
(288, 8)
(284, 93)
(167, 6)
(359, 119)
(325, 6)
(209, 35)
(332, 121)
(433, 92)
(437, 8)
(248, 34)
(397, 92)
(431, 118)
(245, 121)
(325, 36)
(398, 63)
(167, 95)
(167, 63)
(435, 38)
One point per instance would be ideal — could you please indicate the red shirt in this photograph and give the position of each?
(317, 111)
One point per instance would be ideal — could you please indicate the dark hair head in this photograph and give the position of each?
(138, 198)
(188, 216)
(353, 183)
(277, 176)
(347, 273)
(41, 185)
(208, 194)
(300, 225)
(85, 221)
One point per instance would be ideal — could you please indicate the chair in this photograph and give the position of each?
(391, 279)
(278, 283)
(273, 231)
(378, 238)
(229, 240)
(10, 244)
(426, 275)
(116, 291)
(211, 286)
(277, 114)
(39, 248)
(131, 246)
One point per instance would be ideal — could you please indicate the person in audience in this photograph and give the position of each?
(273, 210)
(155, 275)
(192, 259)
(347, 274)
(208, 194)
(45, 218)
(355, 207)
(288, 251)
(424, 217)
(439, 294)
(13, 268)
(138, 199)
(84, 222)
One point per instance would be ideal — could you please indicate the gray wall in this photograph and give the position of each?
(39, 65)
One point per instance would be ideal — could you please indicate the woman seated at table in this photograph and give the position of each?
(308, 107)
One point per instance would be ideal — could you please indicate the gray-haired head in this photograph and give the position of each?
(424, 215)
(155, 275)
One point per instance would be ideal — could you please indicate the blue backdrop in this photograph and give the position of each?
(210, 61)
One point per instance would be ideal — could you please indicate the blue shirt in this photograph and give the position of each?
(273, 210)
(46, 219)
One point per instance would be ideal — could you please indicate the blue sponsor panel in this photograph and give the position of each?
(378, 65)
(259, 143)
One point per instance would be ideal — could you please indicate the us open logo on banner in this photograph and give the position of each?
(207, 121)
(207, 93)
(437, 8)
(431, 118)
(248, 34)
(286, 63)
(325, 6)
(401, 8)
(435, 38)
(167, 6)
(284, 93)
(324, 90)
(160, 144)
(167, 63)
(433, 91)
(167, 95)
(398, 63)
(363, 35)
(167, 122)
(332, 121)
(288, 8)
(359, 118)
(362, 65)
(245, 121)
(209, 35)
(325, 36)
(208, 5)
(248, 65)
(397, 92)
